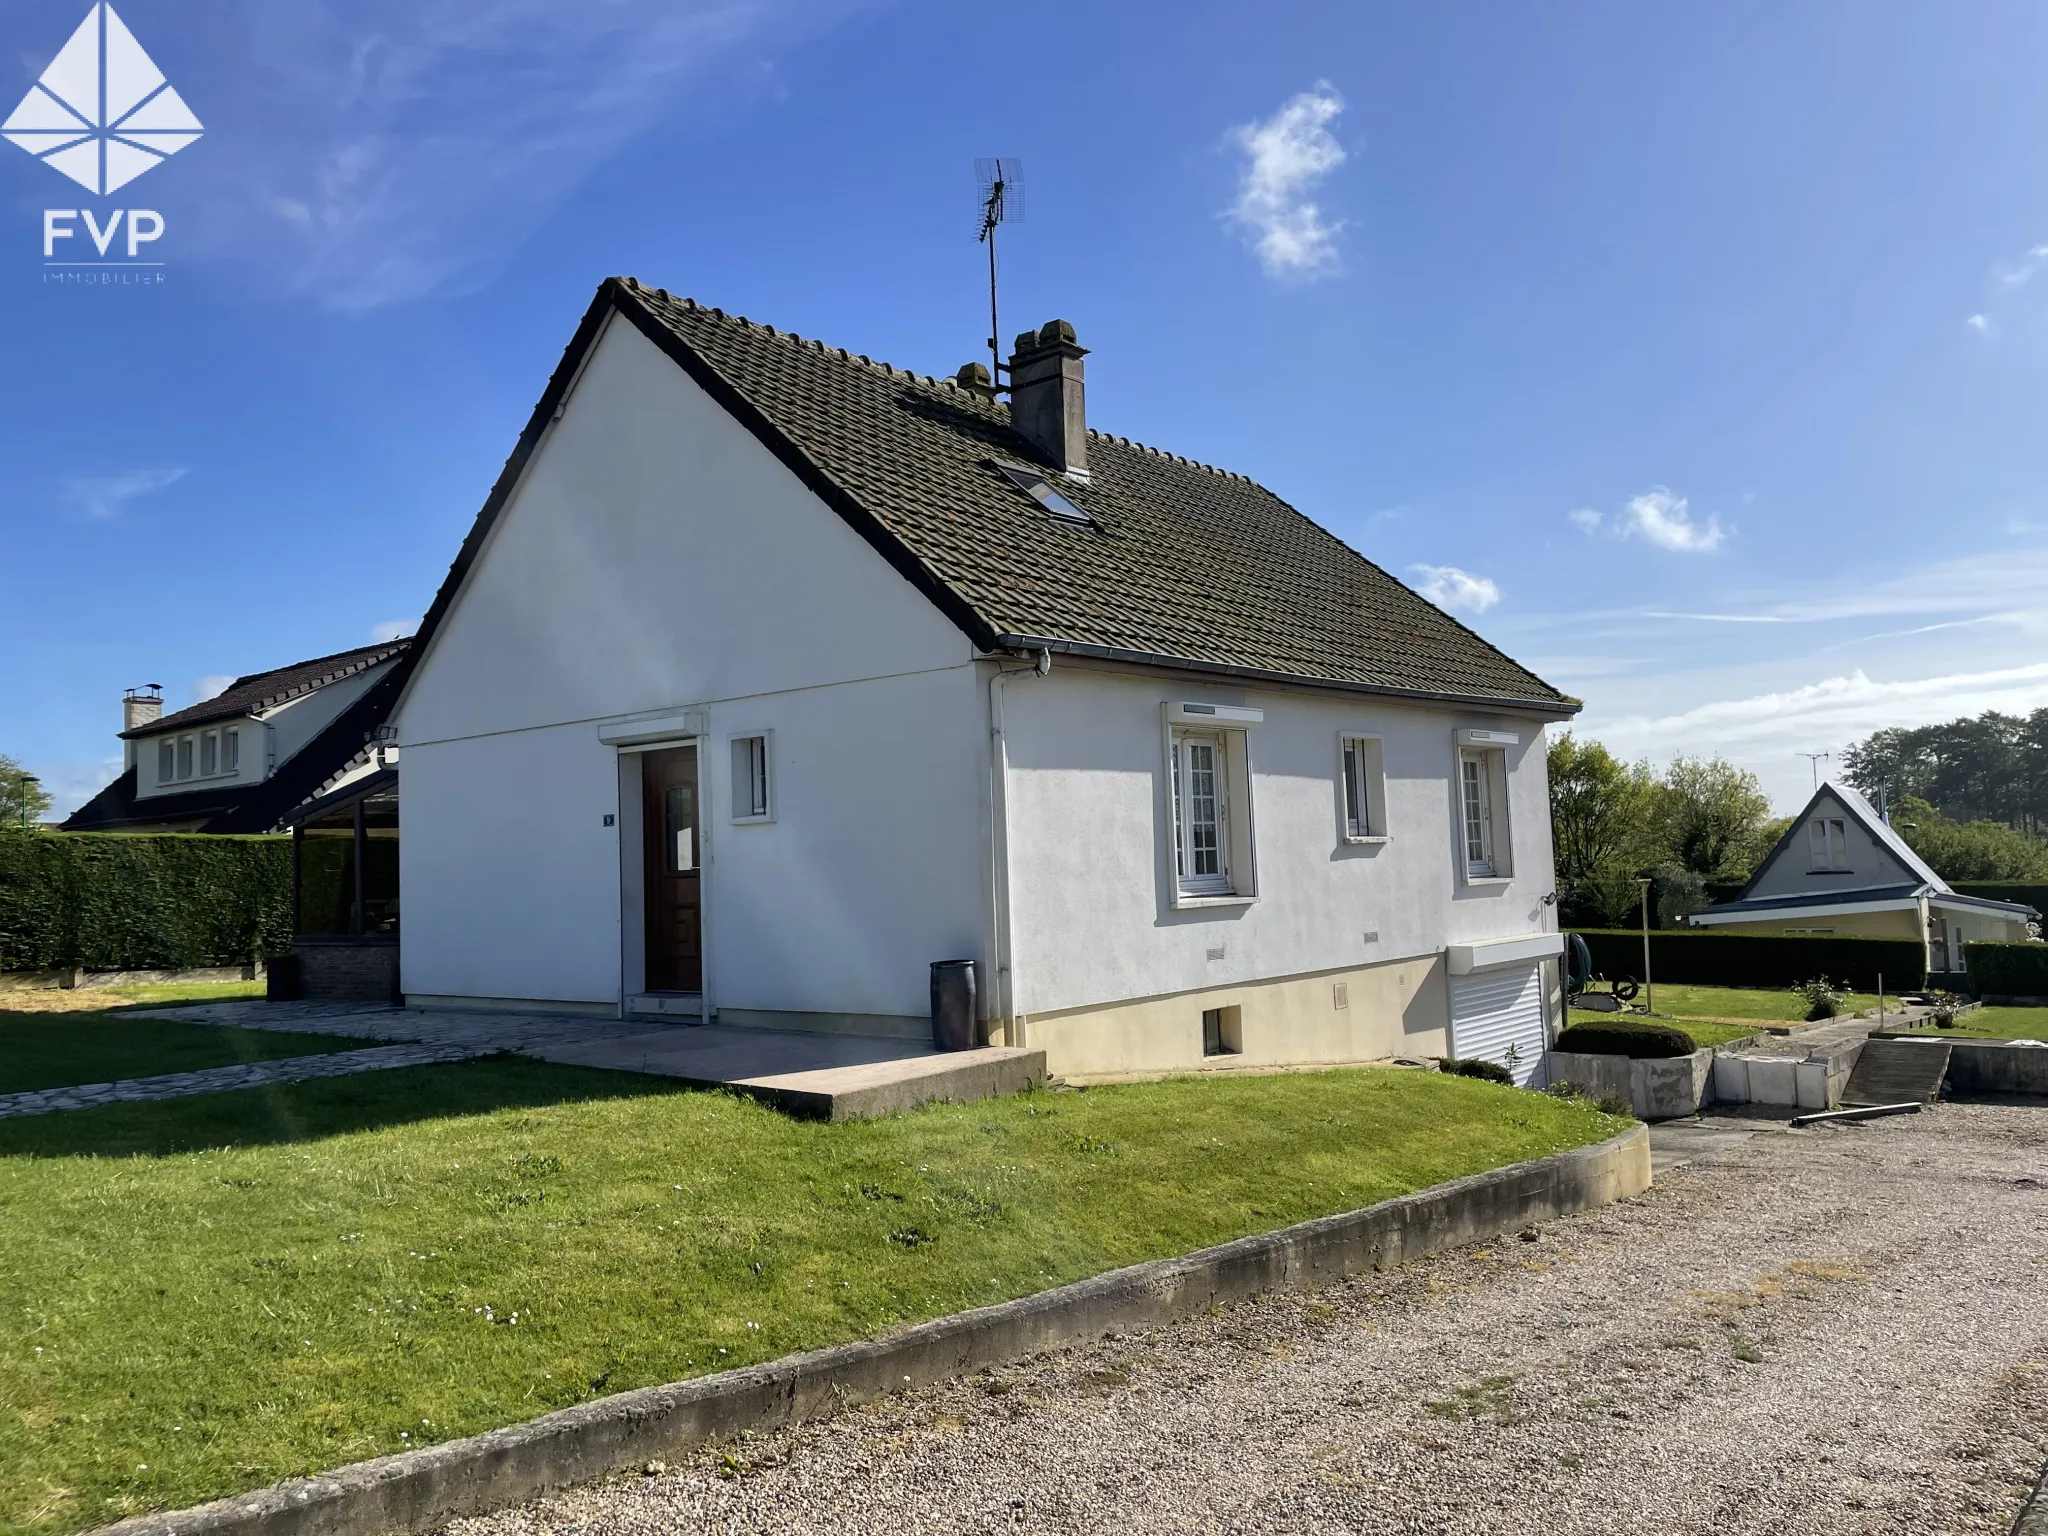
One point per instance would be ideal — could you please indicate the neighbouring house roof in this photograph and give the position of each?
(1184, 565)
(343, 744)
(1927, 883)
(266, 690)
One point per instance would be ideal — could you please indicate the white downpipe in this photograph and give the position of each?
(999, 846)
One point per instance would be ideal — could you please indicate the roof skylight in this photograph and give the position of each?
(1040, 490)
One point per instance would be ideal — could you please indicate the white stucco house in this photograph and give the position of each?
(1840, 868)
(770, 675)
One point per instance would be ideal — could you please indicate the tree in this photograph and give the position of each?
(1975, 850)
(1991, 768)
(22, 799)
(1599, 825)
(1712, 816)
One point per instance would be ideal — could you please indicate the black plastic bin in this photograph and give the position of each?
(956, 1018)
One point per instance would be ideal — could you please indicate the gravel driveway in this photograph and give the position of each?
(1821, 1331)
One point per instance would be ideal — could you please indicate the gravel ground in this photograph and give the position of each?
(1837, 1330)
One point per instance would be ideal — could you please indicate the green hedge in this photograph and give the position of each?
(117, 902)
(2032, 892)
(1624, 1037)
(2007, 970)
(1702, 957)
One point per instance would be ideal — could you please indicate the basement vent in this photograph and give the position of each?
(1340, 994)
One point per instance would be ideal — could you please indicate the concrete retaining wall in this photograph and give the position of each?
(43, 981)
(1991, 1066)
(424, 1488)
(1664, 1088)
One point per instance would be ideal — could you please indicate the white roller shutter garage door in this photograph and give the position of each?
(1497, 1015)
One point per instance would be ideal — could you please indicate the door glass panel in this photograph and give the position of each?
(682, 830)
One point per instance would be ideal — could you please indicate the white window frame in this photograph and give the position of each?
(188, 752)
(1494, 828)
(231, 750)
(1235, 881)
(1361, 777)
(166, 760)
(209, 754)
(1827, 848)
(746, 791)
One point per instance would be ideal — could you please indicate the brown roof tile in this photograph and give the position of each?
(1185, 564)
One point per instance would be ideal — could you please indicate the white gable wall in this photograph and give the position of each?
(1791, 872)
(657, 558)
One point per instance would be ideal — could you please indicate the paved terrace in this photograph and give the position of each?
(833, 1077)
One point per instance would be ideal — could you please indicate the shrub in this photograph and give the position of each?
(1640, 1041)
(1823, 998)
(2007, 970)
(1706, 957)
(119, 902)
(1473, 1066)
(1606, 1103)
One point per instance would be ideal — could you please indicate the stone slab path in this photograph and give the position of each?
(818, 1074)
(255, 1074)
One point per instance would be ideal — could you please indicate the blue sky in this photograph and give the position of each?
(1698, 357)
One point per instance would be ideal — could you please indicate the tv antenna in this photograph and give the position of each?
(999, 199)
(1816, 759)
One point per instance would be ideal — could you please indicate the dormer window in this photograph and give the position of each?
(1040, 490)
(1826, 841)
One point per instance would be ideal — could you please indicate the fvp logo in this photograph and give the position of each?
(102, 113)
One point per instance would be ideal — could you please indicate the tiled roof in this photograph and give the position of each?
(1185, 564)
(266, 690)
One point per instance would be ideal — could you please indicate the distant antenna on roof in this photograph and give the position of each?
(999, 199)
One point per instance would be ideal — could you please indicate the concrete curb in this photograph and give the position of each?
(418, 1490)
(2033, 1520)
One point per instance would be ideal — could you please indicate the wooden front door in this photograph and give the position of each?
(674, 854)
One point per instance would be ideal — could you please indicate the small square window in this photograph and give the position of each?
(1827, 839)
(185, 745)
(1222, 1031)
(750, 785)
(166, 761)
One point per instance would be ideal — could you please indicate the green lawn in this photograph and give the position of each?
(1997, 1024)
(210, 1294)
(189, 991)
(56, 1050)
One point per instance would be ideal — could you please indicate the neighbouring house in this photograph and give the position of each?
(1841, 868)
(296, 749)
(770, 675)
(245, 759)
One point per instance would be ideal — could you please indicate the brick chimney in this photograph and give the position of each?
(139, 707)
(1046, 391)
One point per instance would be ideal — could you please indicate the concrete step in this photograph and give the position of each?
(1898, 1072)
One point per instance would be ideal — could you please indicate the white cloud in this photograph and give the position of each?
(1766, 732)
(392, 629)
(1451, 589)
(70, 785)
(1663, 519)
(1586, 518)
(105, 496)
(1285, 156)
(1978, 324)
(409, 145)
(2012, 274)
(211, 686)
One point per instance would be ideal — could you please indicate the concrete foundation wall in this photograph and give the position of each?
(1983, 1066)
(1397, 1009)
